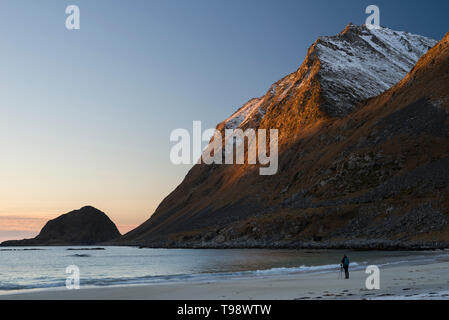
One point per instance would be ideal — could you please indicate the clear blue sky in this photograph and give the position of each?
(85, 116)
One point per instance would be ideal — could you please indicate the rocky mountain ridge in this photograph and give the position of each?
(363, 156)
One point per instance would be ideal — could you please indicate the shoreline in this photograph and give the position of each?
(417, 281)
(353, 244)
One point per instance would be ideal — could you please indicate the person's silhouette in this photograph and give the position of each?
(345, 265)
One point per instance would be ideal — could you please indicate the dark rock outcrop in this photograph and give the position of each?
(86, 226)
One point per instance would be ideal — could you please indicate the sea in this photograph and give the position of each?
(42, 268)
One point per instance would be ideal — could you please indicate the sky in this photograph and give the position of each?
(86, 115)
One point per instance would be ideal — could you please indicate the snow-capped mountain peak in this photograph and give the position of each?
(363, 63)
(338, 72)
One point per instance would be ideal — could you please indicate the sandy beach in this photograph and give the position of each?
(425, 281)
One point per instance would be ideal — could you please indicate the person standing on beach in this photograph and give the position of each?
(345, 265)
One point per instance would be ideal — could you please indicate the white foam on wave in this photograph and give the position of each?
(280, 271)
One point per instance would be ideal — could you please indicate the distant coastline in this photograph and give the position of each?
(364, 245)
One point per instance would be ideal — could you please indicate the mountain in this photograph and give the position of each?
(338, 72)
(86, 226)
(363, 156)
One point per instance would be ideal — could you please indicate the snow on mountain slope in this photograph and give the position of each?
(354, 65)
(244, 113)
(360, 63)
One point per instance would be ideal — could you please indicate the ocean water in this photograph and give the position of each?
(45, 267)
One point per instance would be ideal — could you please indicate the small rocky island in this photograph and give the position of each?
(86, 226)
